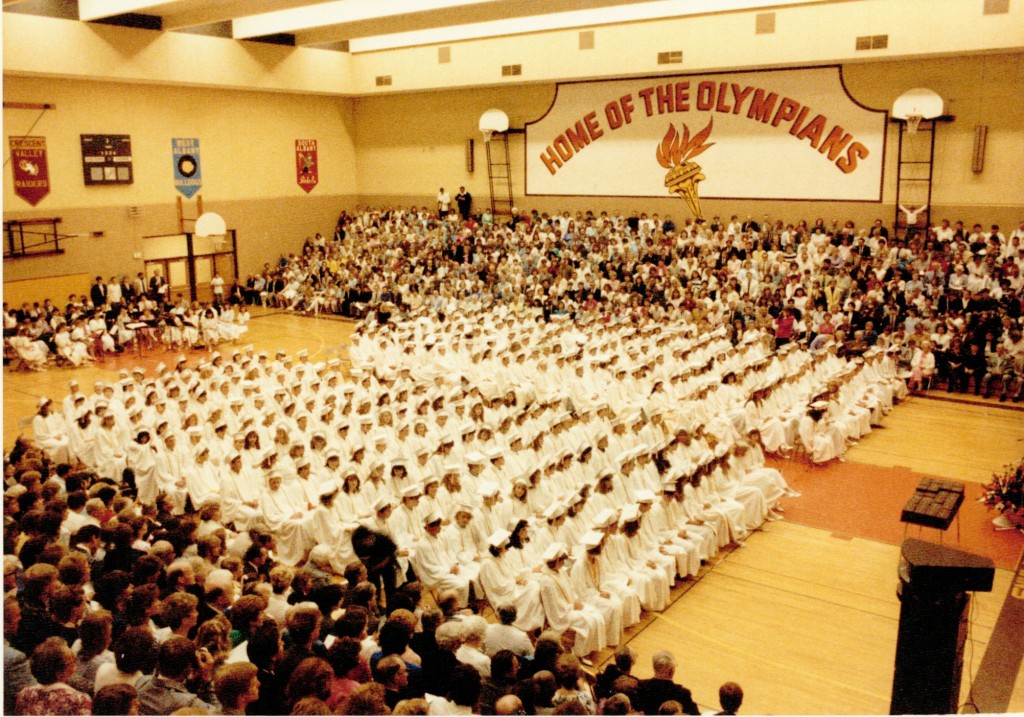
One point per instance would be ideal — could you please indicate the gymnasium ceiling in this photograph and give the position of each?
(368, 25)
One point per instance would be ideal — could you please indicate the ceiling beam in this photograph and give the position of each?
(543, 22)
(464, 15)
(336, 12)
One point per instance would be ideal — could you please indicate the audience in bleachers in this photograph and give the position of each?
(825, 283)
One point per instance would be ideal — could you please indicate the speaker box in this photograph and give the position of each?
(934, 604)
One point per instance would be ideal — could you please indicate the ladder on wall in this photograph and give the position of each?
(499, 175)
(181, 212)
(915, 165)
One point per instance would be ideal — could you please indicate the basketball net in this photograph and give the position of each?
(912, 122)
(487, 134)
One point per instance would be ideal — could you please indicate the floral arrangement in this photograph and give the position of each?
(1005, 492)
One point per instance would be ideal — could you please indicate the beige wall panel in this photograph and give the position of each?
(56, 288)
(93, 50)
(819, 33)
(246, 139)
(413, 144)
(709, 42)
(266, 228)
(977, 90)
(247, 157)
(410, 144)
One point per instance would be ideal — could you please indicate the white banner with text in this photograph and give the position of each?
(774, 134)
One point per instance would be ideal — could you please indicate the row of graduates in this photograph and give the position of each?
(594, 561)
(248, 494)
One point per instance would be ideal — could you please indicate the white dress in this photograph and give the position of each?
(142, 460)
(502, 588)
(51, 435)
(433, 564)
(559, 598)
(293, 535)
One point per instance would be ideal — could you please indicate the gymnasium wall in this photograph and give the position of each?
(399, 148)
(409, 145)
(247, 156)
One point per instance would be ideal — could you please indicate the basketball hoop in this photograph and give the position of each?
(493, 121)
(915, 105)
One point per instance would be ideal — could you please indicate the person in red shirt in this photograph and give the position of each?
(783, 328)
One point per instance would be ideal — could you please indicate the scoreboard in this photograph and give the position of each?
(107, 159)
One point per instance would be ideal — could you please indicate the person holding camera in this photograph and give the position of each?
(179, 665)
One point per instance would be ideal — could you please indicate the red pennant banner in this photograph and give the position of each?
(31, 173)
(306, 164)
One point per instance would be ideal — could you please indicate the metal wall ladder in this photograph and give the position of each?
(499, 175)
(914, 170)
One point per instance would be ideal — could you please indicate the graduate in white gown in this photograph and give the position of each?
(436, 564)
(111, 454)
(822, 439)
(332, 526)
(503, 587)
(464, 537)
(654, 524)
(659, 568)
(240, 494)
(620, 609)
(50, 430)
(290, 521)
(201, 477)
(82, 439)
(142, 460)
(701, 535)
(564, 606)
(169, 473)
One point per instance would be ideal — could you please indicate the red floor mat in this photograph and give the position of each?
(866, 501)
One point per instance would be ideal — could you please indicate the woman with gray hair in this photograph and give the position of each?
(471, 652)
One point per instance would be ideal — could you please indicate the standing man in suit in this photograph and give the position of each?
(157, 286)
(98, 293)
(464, 201)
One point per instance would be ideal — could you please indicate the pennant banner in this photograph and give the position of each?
(777, 134)
(31, 173)
(188, 177)
(306, 166)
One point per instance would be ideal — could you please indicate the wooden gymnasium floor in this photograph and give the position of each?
(805, 615)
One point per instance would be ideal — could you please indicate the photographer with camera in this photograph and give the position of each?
(179, 665)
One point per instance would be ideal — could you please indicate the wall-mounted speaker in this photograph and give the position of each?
(978, 156)
(469, 156)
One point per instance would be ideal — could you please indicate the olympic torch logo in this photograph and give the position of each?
(675, 153)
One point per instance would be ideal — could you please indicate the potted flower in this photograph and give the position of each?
(1005, 493)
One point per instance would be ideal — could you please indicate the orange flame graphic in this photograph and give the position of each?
(675, 149)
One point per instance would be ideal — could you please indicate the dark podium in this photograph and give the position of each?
(934, 601)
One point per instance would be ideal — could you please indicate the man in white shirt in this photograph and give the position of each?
(444, 202)
(114, 295)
